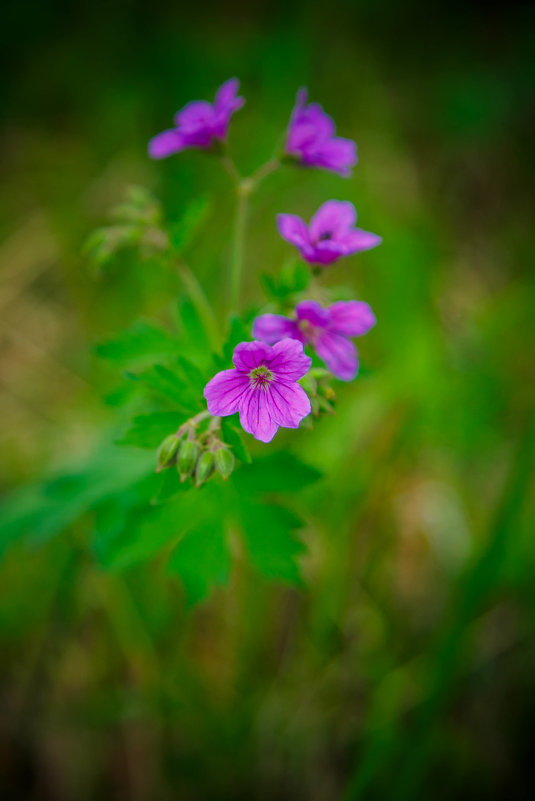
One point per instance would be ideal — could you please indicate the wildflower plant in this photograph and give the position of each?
(198, 422)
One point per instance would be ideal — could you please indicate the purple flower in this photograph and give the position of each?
(263, 387)
(327, 330)
(331, 233)
(311, 139)
(199, 123)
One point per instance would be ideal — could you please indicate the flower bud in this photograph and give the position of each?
(205, 467)
(167, 451)
(224, 461)
(187, 458)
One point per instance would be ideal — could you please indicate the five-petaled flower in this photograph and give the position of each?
(262, 387)
(327, 330)
(312, 139)
(330, 234)
(199, 124)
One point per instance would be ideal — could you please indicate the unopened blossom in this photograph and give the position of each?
(199, 124)
(262, 387)
(330, 234)
(326, 329)
(312, 139)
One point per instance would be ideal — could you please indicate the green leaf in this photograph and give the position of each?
(148, 430)
(195, 339)
(130, 539)
(270, 540)
(295, 276)
(142, 341)
(277, 472)
(41, 511)
(169, 487)
(170, 386)
(232, 436)
(183, 232)
(201, 560)
(239, 332)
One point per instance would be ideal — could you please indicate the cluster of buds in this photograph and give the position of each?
(197, 451)
(316, 384)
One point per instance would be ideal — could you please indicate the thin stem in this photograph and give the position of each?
(267, 168)
(200, 301)
(244, 190)
(230, 167)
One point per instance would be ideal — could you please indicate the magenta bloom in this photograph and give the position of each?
(327, 330)
(311, 139)
(263, 387)
(199, 123)
(331, 233)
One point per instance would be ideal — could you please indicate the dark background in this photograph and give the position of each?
(405, 667)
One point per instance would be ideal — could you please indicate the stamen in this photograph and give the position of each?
(260, 376)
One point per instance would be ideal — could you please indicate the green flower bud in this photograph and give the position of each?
(187, 458)
(205, 467)
(167, 451)
(224, 461)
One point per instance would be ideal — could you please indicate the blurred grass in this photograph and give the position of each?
(405, 667)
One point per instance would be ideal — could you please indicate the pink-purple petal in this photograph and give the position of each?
(224, 392)
(272, 327)
(313, 313)
(339, 354)
(337, 154)
(289, 361)
(351, 318)
(334, 218)
(255, 414)
(195, 115)
(249, 355)
(357, 240)
(288, 404)
(293, 229)
(165, 144)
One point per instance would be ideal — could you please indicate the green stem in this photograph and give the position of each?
(267, 168)
(244, 190)
(244, 187)
(201, 302)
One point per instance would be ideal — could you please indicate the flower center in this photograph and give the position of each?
(325, 236)
(309, 330)
(260, 376)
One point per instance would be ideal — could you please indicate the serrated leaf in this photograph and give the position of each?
(271, 542)
(232, 436)
(201, 560)
(277, 472)
(142, 341)
(193, 375)
(148, 430)
(167, 384)
(41, 511)
(138, 536)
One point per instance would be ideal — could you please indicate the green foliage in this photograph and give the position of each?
(139, 220)
(148, 430)
(201, 560)
(293, 279)
(233, 436)
(142, 342)
(269, 534)
(276, 472)
(184, 232)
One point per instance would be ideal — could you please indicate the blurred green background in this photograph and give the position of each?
(404, 667)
